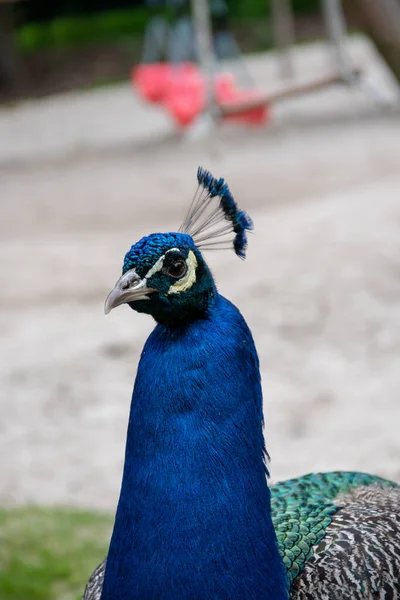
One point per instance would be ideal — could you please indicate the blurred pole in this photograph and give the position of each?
(284, 36)
(225, 44)
(380, 20)
(205, 53)
(336, 25)
(181, 39)
(155, 40)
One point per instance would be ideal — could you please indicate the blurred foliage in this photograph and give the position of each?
(261, 8)
(306, 6)
(49, 553)
(74, 31)
(69, 31)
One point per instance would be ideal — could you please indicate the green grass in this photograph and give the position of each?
(49, 553)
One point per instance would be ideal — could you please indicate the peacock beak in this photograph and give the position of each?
(129, 288)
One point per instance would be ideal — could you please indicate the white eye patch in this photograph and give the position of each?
(189, 279)
(158, 265)
(182, 284)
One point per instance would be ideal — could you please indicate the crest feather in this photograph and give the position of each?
(221, 226)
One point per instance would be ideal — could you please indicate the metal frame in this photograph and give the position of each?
(283, 25)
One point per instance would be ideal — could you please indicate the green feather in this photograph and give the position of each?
(303, 508)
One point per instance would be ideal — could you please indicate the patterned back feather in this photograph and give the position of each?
(303, 508)
(324, 523)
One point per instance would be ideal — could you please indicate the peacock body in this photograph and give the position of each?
(196, 518)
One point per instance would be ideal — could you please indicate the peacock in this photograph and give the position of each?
(196, 519)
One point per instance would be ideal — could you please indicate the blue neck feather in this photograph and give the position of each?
(194, 520)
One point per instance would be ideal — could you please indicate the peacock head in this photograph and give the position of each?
(165, 274)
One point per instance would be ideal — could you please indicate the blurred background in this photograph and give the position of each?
(107, 108)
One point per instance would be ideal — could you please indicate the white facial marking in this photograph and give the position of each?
(158, 265)
(189, 279)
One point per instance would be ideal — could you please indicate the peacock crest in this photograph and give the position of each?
(216, 227)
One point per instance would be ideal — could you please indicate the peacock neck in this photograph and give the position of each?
(193, 519)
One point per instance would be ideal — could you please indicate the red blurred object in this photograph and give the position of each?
(151, 80)
(182, 89)
(185, 98)
(226, 92)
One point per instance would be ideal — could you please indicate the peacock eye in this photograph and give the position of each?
(176, 268)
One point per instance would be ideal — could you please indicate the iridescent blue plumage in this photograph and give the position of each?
(194, 502)
(146, 251)
(195, 519)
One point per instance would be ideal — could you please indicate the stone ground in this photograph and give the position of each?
(83, 176)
